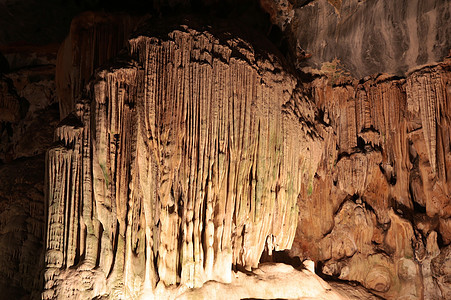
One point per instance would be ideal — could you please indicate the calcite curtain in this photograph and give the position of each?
(185, 156)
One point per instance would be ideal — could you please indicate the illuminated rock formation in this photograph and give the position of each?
(184, 159)
(383, 186)
(188, 155)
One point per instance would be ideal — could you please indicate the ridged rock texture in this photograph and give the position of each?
(186, 157)
(199, 152)
(94, 38)
(368, 37)
(380, 207)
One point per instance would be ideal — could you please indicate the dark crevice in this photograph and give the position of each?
(361, 147)
(319, 117)
(440, 242)
(99, 246)
(281, 257)
(180, 210)
(352, 198)
(417, 207)
(343, 84)
(301, 3)
(342, 155)
(392, 180)
(360, 144)
(368, 207)
(115, 240)
(370, 129)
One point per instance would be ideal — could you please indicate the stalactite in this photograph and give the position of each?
(389, 155)
(185, 163)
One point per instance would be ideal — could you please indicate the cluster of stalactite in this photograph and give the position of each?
(387, 168)
(186, 157)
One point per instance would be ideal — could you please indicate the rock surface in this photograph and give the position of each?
(369, 170)
(198, 157)
(198, 151)
(369, 37)
(381, 196)
(94, 38)
(28, 117)
(22, 212)
(270, 281)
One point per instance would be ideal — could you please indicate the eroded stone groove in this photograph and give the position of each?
(180, 163)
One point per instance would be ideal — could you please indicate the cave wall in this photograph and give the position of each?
(28, 118)
(383, 185)
(94, 38)
(370, 123)
(370, 37)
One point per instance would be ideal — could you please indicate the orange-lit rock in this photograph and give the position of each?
(384, 157)
(183, 162)
(196, 150)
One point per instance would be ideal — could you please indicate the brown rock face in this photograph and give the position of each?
(371, 36)
(28, 117)
(179, 163)
(188, 154)
(22, 212)
(382, 191)
(94, 39)
(197, 149)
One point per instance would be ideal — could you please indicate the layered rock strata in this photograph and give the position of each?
(369, 37)
(187, 157)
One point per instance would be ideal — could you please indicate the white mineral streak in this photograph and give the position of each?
(186, 162)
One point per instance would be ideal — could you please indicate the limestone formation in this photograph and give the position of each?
(191, 158)
(370, 37)
(383, 184)
(281, 12)
(186, 158)
(28, 117)
(270, 281)
(94, 38)
(22, 229)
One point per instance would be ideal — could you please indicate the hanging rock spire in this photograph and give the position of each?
(186, 155)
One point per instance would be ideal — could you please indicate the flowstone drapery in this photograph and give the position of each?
(186, 157)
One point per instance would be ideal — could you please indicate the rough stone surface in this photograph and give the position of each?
(22, 212)
(94, 38)
(270, 281)
(352, 291)
(383, 185)
(441, 270)
(198, 151)
(28, 117)
(369, 37)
